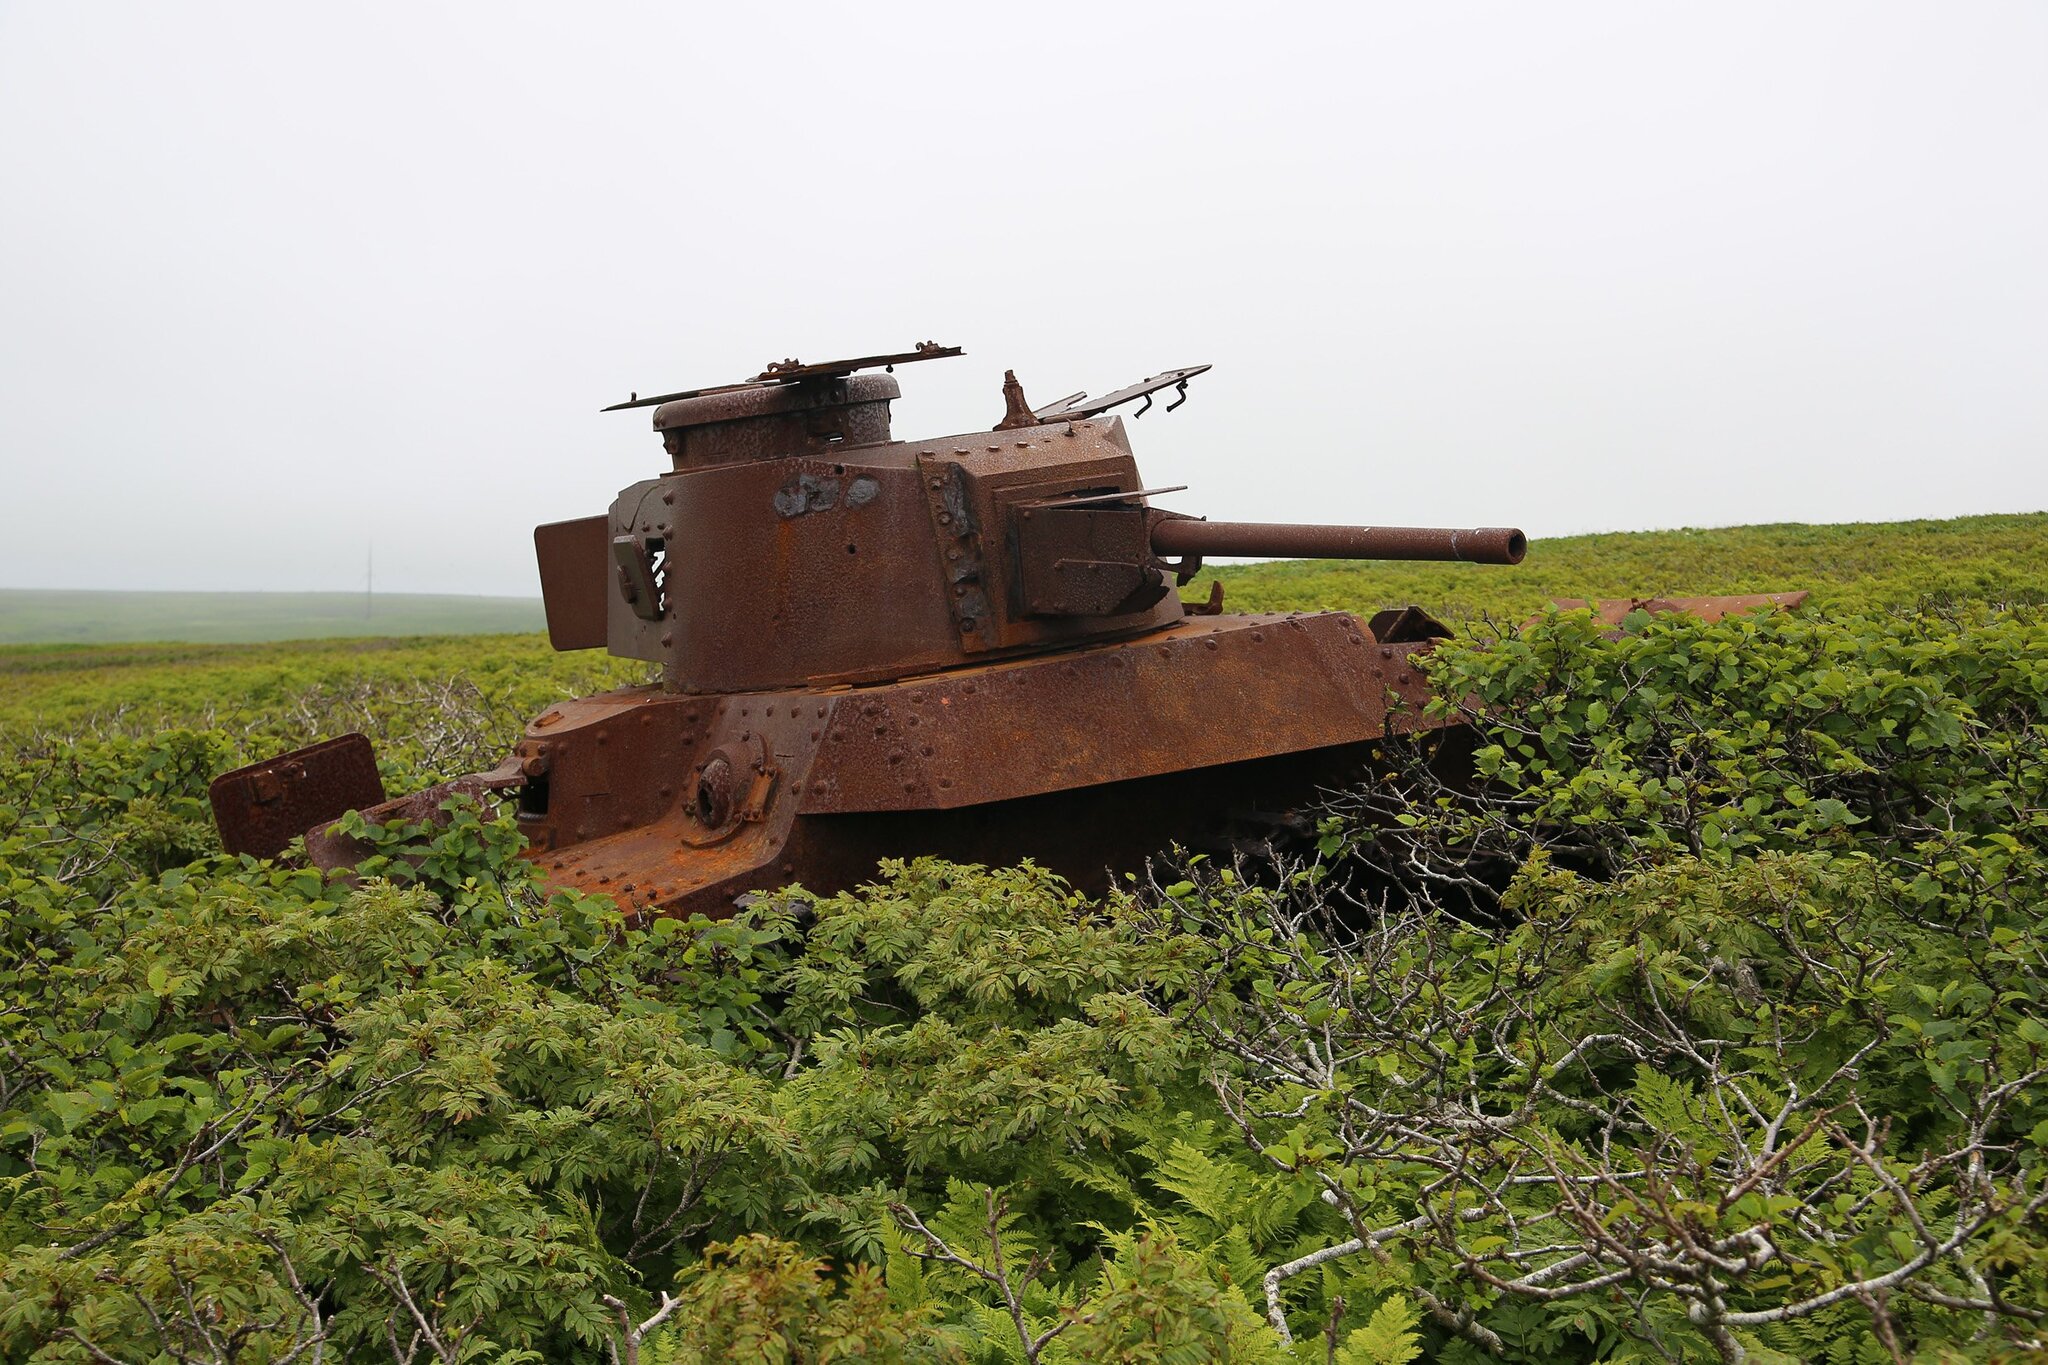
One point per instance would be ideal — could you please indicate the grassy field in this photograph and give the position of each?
(34, 616)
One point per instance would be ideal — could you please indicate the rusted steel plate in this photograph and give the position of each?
(1613, 609)
(575, 580)
(1213, 690)
(261, 808)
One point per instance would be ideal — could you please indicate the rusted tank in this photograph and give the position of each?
(969, 645)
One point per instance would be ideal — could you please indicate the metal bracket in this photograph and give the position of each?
(637, 581)
(1080, 405)
(795, 371)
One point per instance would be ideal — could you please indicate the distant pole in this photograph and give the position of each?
(369, 576)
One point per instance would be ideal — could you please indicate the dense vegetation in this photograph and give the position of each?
(1715, 1029)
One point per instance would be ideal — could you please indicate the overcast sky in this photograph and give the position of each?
(280, 281)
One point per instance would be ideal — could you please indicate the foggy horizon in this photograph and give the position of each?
(278, 285)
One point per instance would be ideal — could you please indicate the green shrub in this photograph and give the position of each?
(1742, 1059)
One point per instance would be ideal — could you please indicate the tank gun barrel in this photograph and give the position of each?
(1185, 536)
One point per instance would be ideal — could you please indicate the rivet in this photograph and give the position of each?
(1210, 643)
(1386, 653)
(1258, 636)
(814, 734)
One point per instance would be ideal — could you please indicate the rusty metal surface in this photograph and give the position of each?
(261, 808)
(787, 371)
(1086, 559)
(574, 581)
(766, 421)
(1222, 689)
(1081, 405)
(678, 803)
(1613, 609)
(784, 372)
(1277, 540)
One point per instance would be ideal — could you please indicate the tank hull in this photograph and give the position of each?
(1086, 761)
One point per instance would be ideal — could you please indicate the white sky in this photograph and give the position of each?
(280, 280)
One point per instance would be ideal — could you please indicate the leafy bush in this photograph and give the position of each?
(1710, 1026)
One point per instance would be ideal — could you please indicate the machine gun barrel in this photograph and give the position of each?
(1182, 536)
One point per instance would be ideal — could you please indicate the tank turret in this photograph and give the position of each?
(970, 645)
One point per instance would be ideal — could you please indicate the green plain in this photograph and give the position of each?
(38, 616)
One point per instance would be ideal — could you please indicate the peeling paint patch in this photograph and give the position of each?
(807, 494)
